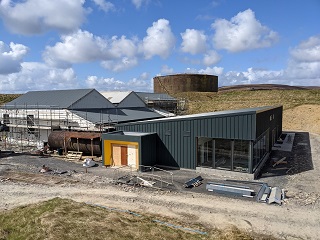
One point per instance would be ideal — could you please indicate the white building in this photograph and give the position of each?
(32, 116)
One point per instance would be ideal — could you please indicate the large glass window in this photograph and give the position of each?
(241, 156)
(223, 154)
(205, 152)
(259, 150)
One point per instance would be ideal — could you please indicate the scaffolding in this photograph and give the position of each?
(29, 126)
(176, 106)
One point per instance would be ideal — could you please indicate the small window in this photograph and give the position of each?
(6, 118)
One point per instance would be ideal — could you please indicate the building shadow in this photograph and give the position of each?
(281, 163)
(164, 156)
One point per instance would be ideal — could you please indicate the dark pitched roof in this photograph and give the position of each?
(55, 99)
(117, 115)
(155, 96)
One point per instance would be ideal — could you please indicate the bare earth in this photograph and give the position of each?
(303, 118)
(297, 218)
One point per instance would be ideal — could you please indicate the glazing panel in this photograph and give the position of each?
(223, 154)
(205, 156)
(241, 156)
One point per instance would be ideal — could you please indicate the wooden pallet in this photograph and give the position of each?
(72, 155)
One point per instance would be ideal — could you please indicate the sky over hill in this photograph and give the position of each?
(123, 44)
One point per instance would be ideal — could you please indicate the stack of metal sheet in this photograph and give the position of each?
(194, 182)
(237, 190)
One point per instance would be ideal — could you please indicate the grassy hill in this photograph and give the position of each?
(199, 102)
(4, 98)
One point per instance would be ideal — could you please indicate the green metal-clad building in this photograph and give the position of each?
(235, 140)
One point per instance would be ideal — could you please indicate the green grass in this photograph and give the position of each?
(199, 102)
(66, 219)
(4, 98)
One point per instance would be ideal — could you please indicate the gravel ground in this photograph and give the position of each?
(298, 218)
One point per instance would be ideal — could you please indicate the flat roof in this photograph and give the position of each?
(130, 133)
(208, 114)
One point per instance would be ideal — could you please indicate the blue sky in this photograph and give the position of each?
(123, 44)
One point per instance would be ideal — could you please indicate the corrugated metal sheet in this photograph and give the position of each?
(213, 114)
(178, 138)
(177, 135)
(155, 96)
(92, 100)
(76, 98)
(132, 100)
(117, 115)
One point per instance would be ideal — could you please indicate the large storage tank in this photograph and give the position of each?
(86, 142)
(185, 83)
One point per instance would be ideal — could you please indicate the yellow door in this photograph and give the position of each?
(116, 155)
(132, 155)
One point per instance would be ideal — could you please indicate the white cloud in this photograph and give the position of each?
(193, 41)
(252, 76)
(139, 3)
(78, 47)
(307, 51)
(38, 76)
(303, 69)
(11, 57)
(159, 40)
(212, 71)
(120, 65)
(104, 5)
(136, 84)
(211, 58)
(111, 84)
(37, 16)
(120, 47)
(304, 64)
(144, 76)
(166, 69)
(115, 54)
(108, 84)
(243, 32)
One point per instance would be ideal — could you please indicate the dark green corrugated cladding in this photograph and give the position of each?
(235, 140)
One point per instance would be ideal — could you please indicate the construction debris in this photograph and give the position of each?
(270, 195)
(258, 190)
(145, 182)
(282, 160)
(275, 196)
(243, 191)
(45, 169)
(88, 162)
(194, 182)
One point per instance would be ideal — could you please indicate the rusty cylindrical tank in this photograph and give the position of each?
(86, 142)
(185, 83)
